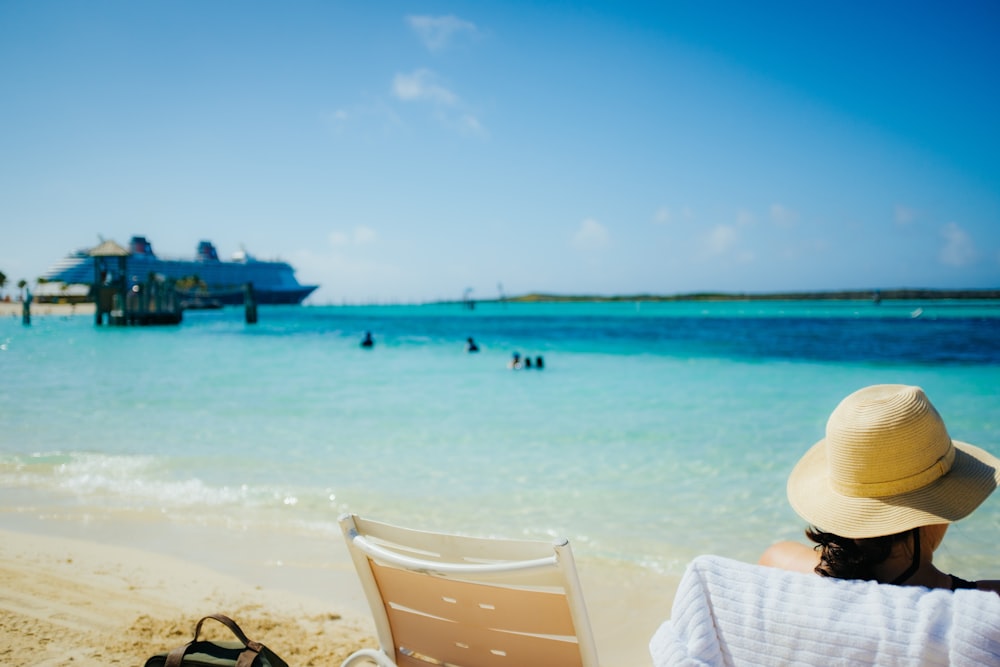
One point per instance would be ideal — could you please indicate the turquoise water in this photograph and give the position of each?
(655, 432)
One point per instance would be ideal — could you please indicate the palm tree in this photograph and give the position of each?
(21, 284)
(191, 284)
(3, 281)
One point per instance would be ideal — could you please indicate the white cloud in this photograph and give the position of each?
(361, 116)
(469, 124)
(958, 249)
(721, 239)
(591, 235)
(364, 235)
(745, 218)
(422, 85)
(665, 215)
(338, 120)
(360, 235)
(783, 216)
(345, 277)
(437, 32)
(904, 215)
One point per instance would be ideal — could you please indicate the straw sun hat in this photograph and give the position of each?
(886, 465)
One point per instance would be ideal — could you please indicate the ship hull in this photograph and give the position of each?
(266, 297)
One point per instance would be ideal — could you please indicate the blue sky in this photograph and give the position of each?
(407, 151)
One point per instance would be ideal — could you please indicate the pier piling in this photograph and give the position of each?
(250, 303)
(26, 308)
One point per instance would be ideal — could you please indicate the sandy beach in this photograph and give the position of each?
(68, 601)
(16, 308)
(101, 591)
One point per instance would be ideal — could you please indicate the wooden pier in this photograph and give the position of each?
(153, 302)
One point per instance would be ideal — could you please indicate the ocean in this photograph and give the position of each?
(654, 432)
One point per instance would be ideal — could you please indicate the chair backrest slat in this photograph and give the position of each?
(473, 646)
(487, 605)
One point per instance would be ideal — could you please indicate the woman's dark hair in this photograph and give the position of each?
(847, 558)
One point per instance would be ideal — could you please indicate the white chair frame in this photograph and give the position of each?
(450, 600)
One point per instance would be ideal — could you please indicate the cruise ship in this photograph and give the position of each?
(222, 282)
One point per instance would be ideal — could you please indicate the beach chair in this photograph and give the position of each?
(440, 599)
(732, 614)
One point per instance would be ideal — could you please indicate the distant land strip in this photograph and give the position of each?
(841, 295)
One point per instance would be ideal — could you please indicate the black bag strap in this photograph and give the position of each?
(176, 657)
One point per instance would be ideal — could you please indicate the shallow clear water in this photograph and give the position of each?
(654, 433)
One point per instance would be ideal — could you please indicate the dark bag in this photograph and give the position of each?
(242, 653)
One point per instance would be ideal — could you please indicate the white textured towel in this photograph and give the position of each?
(729, 614)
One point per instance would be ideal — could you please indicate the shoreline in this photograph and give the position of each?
(117, 590)
(16, 309)
(875, 295)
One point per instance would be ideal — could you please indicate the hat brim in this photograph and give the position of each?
(974, 475)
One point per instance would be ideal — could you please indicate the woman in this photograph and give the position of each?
(880, 490)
